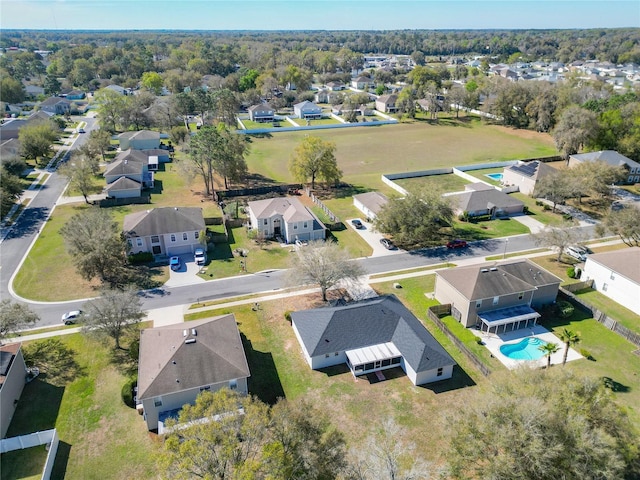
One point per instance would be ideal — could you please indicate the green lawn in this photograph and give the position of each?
(622, 315)
(79, 393)
(482, 174)
(442, 183)
(322, 121)
(488, 229)
(26, 464)
(538, 211)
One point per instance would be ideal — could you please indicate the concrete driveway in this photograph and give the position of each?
(373, 237)
(188, 273)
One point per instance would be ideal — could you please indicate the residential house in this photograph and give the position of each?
(139, 140)
(371, 336)
(117, 89)
(130, 164)
(526, 174)
(286, 217)
(335, 86)
(13, 376)
(387, 103)
(611, 157)
(498, 296)
(123, 187)
(178, 362)
(164, 231)
(262, 113)
(33, 91)
(56, 105)
(75, 95)
(326, 96)
(11, 128)
(370, 203)
(616, 274)
(481, 199)
(362, 83)
(307, 110)
(9, 148)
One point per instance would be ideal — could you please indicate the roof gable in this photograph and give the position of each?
(160, 221)
(625, 262)
(290, 208)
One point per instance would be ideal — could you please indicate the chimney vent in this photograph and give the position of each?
(494, 269)
(190, 341)
(194, 332)
(484, 270)
(184, 332)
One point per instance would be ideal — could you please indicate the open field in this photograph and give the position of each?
(365, 153)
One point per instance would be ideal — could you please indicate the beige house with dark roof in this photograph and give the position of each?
(177, 362)
(610, 157)
(164, 231)
(480, 199)
(261, 113)
(140, 140)
(616, 274)
(286, 217)
(526, 174)
(13, 376)
(499, 296)
(370, 203)
(387, 103)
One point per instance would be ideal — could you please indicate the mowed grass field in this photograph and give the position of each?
(365, 153)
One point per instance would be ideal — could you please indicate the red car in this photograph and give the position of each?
(456, 244)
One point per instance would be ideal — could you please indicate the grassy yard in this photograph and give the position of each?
(622, 315)
(488, 229)
(79, 393)
(443, 183)
(364, 154)
(482, 175)
(559, 269)
(311, 123)
(538, 211)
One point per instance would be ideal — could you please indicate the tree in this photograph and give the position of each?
(15, 317)
(80, 172)
(10, 190)
(555, 187)
(576, 128)
(153, 82)
(415, 220)
(51, 85)
(557, 237)
(184, 106)
(11, 90)
(82, 72)
(99, 142)
(225, 106)
(111, 106)
(315, 158)
(114, 313)
(625, 223)
(285, 441)
(546, 426)
(178, 134)
(596, 178)
(97, 246)
(569, 338)
(324, 264)
(36, 140)
(406, 102)
(549, 349)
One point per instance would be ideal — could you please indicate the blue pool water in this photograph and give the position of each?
(525, 349)
(494, 176)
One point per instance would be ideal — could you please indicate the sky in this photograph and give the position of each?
(316, 14)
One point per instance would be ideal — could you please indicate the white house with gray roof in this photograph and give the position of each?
(499, 296)
(164, 231)
(286, 217)
(177, 362)
(616, 274)
(307, 110)
(610, 157)
(370, 203)
(370, 336)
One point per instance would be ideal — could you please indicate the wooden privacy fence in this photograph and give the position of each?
(324, 208)
(115, 202)
(611, 323)
(434, 313)
(242, 192)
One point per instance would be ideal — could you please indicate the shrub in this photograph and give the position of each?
(525, 209)
(546, 207)
(587, 354)
(571, 272)
(127, 392)
(141, 257)
(464, 217)
(287, 316)
(14, 165)
(564, 309)
(567, 217)
(539, 203)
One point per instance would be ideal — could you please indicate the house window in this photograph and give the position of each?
(612, 276)
(295, 226)
(439, 373)
(184, 236)
(208, 387)
(129, 243)
(336, 354)
(157, 402)
(604, 287)
(266, 222)
(478, 303)
(155, 239)
(196, 235)
(395, 361)
(139, 241)
(305, 225)
(173, 237)
(326, 355)
(233, 384)
(386, 362)
(520, 295)
(496, 300)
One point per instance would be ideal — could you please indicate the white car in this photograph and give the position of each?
(71, 317)
(200, 256)
(577, 251)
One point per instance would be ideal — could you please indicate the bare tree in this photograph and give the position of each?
(14, 317)
(324, 264)
(558, 237)
(624, 223)
(112, 314)
(556, 187)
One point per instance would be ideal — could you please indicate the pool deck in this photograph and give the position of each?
(493, 342)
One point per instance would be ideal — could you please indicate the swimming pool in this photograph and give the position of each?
(494, 176)
(526, 349)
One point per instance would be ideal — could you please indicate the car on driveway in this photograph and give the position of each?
(388, 244)
(81, 130)
(578, 252)
(357, 223)
(71, 317)
(200, 256)
(457, 244)
(174, 263)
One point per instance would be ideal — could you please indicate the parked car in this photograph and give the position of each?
(81, 130)
(200, 256)
(386, 243)
(71, 317)
(357, 223)
(174, 263)
(457, 244)
(578, 252)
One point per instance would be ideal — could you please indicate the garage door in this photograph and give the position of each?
(179, 250)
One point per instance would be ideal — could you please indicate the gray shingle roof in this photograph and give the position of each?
(625, 262)
(140, 135)
(123, 183)
(611, 157)
(371, 322)
(159, 221)
(374, 201)
(534, 170)
(291, 209)
(128, 165)
(167, 364)
(484, 199)
(491, 280)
